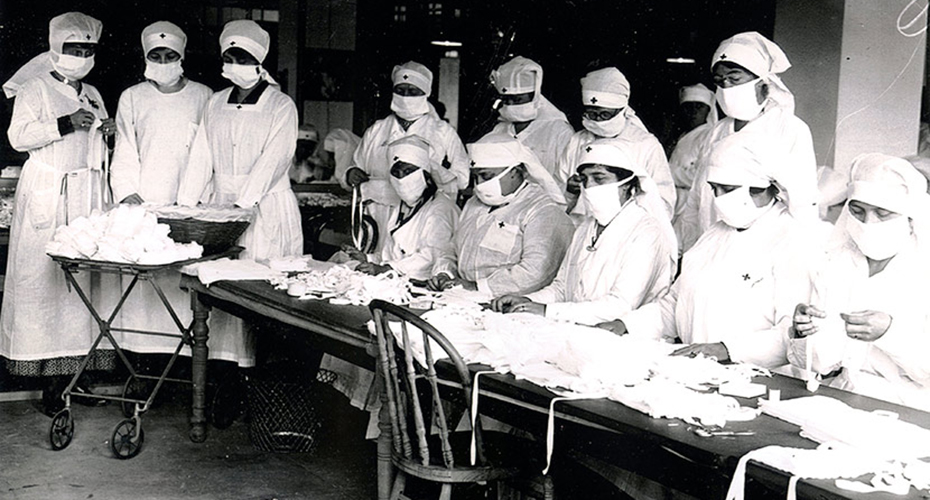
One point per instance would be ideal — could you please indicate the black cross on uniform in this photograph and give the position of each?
(500, 225)
(594, 100)
(162, 36)
(746, 277)
(723, 56)
(587, 149)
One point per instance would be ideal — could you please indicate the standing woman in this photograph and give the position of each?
(241, 157)
(243, 149)
(60, 121)
(157, 120)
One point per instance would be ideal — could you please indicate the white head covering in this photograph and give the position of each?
(748, 159)
(73, 27)
(415, 74)
(700, 93)
(250, 37)
(411, 149)
(620, 153)
(307, 133)
(609, 88)
(762, 57)
(518, 76)
(164, 34)
(501, 150)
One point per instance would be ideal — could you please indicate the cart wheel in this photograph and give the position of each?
(62, 429)
(134, 388)
(127, 438)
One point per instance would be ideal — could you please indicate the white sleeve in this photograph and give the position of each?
(655, 320)
(657, 166)
(29, 127)
(276, 156)
(198, 175)
(435, 241)
(126, 167)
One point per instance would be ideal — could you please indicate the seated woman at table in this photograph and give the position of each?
(620, 258)
(866, 325)
(419, 230)
(738, 285)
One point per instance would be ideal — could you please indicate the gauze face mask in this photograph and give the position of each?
(603, 201)
(410, 187)
(880, 240)
(73, 67)
(740, 101)
(737, 209)
(166, 74)
(516, 113)
(243, 76)
(606, 128)
(409, 107)
(489, 191)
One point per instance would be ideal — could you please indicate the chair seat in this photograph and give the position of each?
(507, 456)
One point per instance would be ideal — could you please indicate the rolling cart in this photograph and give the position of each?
(128, 436)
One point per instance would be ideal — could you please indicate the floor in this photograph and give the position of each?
(170, 466)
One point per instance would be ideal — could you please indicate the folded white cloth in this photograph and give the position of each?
(226, 269)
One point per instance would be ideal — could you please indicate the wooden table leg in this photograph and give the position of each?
(200, 332)
(385, 466)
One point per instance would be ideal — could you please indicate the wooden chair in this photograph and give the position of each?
(414, 402)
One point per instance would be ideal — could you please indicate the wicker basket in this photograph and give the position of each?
(285, 411)
(215, 237)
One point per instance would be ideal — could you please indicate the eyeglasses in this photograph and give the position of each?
(601, 114)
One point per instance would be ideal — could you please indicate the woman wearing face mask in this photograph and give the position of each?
(60, 121)
(412, 115)
(866, 320)
(620, 258)
(756, 101)
(419, 230)
(157, 120)
(526, 114)
(241, 155)
(606, 97)
(738, 285)
(513, 234)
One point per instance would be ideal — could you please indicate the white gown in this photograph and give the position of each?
(241, 156)
(514, 249)
(790, 136)
(683, 165)
(41, 318)
(737, 287)
(415, 247)
(156, 132)
(647, 151)
(546, 136)
(896, 367)
(631, 264)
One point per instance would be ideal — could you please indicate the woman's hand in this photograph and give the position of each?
(506, 303)
(716, 350)
(802, 324)
(354, 253)
(867, 326)
(356, 176)
(616, 327)
(443, 281)
(573, 184)
(372, 268)
(82, 119)
(133, 199)
(108, 127)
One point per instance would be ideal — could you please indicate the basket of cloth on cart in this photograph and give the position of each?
(130, 242)
(214, 227)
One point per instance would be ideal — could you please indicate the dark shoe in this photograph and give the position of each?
(79, 390)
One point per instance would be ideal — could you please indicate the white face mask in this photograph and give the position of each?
(489, 191)
(880, 240)
(606, 128)
(737, 208)
(166, 74)
(410, 187)
(516, 113)
(740, 102)
(409, 107)
(603, 201)
(243, 76)
(73, 67)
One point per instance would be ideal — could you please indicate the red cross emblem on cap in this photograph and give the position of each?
(162, 35)
(594, 100)
(473, 163)
(587, 149)
(87, 37)
(406, 76)
(396, 158)
(232, 42)
(723, 56)
(504, 90)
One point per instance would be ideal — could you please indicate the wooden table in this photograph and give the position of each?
(599, 428)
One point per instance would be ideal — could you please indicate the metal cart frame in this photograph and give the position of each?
(128, 436)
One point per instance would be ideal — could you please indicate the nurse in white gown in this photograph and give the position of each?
(241, 156)
(157, 121)
(419, 230)
(756, 101)
(60, 121)
(698, 106)
(866, 325)
(620, 258)
(736, 293)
